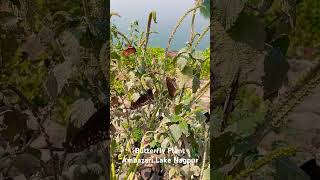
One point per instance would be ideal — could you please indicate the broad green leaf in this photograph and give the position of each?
(188, 71)
(33, 164)
(81, 111)
(219, 149)
(185, 49)
(62, 73)
(276, 68)
(35, 152)
(247, 126)
(195, 84)
(282, 43)
(198, 55)
(182, 61)
(14, 122)
(176, 131)
(178, 109)
(175, 118)
(227, 12)
(200, 117)
(249, 29)
(184, 127)
(265, 5)
(286, 169)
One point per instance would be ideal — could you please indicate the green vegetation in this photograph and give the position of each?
(156, 94)
(254, 39)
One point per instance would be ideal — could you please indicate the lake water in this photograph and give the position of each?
(168, 13)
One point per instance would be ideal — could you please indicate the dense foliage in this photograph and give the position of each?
(250, 71)
(53, 78)
(155, 96)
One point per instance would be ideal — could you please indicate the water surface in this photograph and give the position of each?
(168, 13)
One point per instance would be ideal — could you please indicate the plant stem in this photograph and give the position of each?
(201, 36)
(192, 26)
(176, 28)
(276, 154)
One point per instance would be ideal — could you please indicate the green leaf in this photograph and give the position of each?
(137, 134)
(188, 71)
(286, 169)
(197, 55)
(182, 61)
(247, 126)
(184, 127)
(200, 117)
(220, 147)
(183, 50)
(176, 131)
(35, 152)
(32, 166)
(195, 84)
(249, 29)
(282, 43)
(265, 5)
(227, 12)
(276, 68)
(81, 111)
(216, 175)
(175, 118)
(178, 109)
(14, 122)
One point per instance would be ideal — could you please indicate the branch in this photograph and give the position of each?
(39, 121)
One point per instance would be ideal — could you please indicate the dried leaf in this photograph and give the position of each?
(129, 51)
(172, 86)
(143, 99)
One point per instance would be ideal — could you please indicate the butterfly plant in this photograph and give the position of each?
(155, 102)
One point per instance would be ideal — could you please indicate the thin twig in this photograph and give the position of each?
(192, 27)
(201, 36)
(123, 36)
